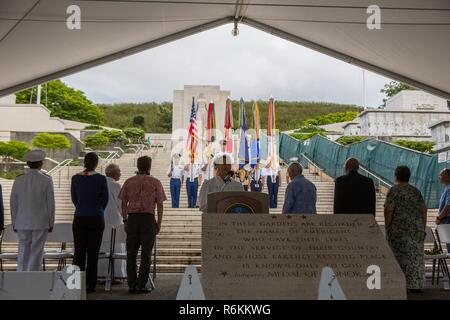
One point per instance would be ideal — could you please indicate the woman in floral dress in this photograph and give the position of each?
(405, 216)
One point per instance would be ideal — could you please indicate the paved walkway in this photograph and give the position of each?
(167, 288)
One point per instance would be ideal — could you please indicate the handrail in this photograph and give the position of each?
(63, 164)
(106, 161)
(59, 167)
(378, 178)
(317, 170)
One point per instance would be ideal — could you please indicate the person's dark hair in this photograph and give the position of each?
(90, 161)
(402, 173)
(144, 164)
(35, 165)
(446, 172)
(351, 164)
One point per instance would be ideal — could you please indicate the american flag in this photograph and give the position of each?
(193, 136)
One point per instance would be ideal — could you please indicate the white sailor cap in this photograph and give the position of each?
(34, 155)
(223, 158)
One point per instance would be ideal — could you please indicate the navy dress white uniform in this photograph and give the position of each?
(32, 213)
(256, 179)
(272, 177)
(175, 172)
(191, 174)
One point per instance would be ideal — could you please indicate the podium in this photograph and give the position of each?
(237, 202)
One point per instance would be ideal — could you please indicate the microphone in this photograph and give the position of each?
(227, 179)
(229, 176)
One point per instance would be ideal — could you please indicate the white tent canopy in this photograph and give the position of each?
(413, 44)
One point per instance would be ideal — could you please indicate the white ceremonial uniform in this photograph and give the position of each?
(196, 168)
(177, 171)
(215, 185)
(113, 217)
(32, 214)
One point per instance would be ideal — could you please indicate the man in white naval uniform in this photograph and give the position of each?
(32, 211)
(223, 181)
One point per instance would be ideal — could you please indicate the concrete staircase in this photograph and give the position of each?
(179, 243)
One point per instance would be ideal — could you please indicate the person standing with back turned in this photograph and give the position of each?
(32, 212)
(90, 196)
(140, 195)
(354, 193)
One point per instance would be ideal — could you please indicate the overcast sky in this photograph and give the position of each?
(254, 65)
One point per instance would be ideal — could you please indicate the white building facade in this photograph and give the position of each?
(440, 131)
(407, 115)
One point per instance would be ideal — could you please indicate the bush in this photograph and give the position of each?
(349, 140)
(11, 175)
(306, 136)
(51, 142)
(309, 128)
(422, 146)
(135, 135)
(115, 136)
(93, 127)
(331, 118)
(96, 140)
(12, 150)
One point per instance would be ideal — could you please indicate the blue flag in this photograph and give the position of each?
(243, 145)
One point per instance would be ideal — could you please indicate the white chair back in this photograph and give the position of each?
(443, 231)
(9, 236)
(62, 232)
(121, 235)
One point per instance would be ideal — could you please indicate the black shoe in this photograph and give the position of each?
(132, 290)
(415, 291)
(143, 290)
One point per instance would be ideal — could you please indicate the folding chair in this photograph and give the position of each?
(119, 236)
(443, 236)
(438, 256)
(105, 253)
(8, 237)
(61, 233)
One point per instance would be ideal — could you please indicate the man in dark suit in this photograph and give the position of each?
(354, 193)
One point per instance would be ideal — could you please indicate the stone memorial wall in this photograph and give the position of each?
(282, 257)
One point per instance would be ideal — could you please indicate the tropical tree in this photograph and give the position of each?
(64, 102)
(138, 121)
(392, 88)
(51, 142)
(12, 150)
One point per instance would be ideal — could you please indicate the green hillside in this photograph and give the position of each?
(157, 117)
